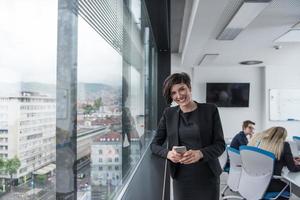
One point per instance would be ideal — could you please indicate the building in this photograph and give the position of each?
(85, 139)
(111, 159)
(27, 131)
(106, 164)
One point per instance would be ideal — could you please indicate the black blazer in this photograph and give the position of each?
(286, 159)
(212, 139)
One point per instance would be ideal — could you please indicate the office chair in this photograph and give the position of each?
(297, 140)
(234, 173)
(223, 160)
(257, 172)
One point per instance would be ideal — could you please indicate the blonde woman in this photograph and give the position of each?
(273, 140)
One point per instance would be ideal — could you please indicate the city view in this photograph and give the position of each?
(27, 127)
(27, 141)
(110, 100)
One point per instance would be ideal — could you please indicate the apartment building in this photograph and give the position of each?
(27, 130)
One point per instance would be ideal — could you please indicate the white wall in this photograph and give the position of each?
(282, 77)
(232, 118)
(261, 80)
(176, 66)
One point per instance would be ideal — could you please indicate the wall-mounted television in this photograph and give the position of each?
(228, 94)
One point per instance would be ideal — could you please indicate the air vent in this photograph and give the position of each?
(248, 11)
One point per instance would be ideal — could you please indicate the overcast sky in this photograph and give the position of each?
(28, 42)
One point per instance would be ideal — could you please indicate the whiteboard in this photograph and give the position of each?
(285, 104)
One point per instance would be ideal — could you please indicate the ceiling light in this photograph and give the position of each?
(277, 47)
(248, 11)
(296, 26)
(292, 35)
(208, 59)
(251, 62)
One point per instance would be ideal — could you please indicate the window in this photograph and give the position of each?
(3, 147)
(3, 131)
(3, 155)
(116, 64)
(28, 49)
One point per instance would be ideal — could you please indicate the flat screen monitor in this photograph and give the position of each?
(228, 94)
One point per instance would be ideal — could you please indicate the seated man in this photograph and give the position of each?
(241, 138)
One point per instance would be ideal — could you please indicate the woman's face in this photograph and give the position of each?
(181, 94)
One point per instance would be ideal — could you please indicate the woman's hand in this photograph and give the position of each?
(174, 156)
(191, 156)
(297, 161)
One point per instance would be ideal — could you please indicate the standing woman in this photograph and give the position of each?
(196, 173)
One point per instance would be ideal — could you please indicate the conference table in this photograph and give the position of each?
(294, 178)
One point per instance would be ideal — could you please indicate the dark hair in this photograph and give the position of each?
(246, 123)
(173, 79)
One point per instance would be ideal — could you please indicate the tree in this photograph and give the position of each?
(11, 167)
(98, 103)
(2, 164)
(41, 179)
(88, 109)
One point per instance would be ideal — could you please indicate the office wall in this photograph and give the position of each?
(232, 118)
(261, 80)
(177, 67)
(282, 77)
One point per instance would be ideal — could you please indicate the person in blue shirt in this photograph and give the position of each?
(241, 138)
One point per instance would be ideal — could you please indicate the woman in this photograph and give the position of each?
(273, 140)
(195, 173)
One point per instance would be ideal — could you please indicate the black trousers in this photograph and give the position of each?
(208, 191)
(196, 182)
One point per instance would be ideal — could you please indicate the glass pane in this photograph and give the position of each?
(99, 117)
(111, 97)
(28, 35)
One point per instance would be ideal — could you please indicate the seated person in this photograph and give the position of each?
(273, 140)
(241, 138)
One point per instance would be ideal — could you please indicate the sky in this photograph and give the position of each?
(97, 60)
(28, 46)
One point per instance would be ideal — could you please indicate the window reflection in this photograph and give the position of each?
(111, 100)
(99, 115)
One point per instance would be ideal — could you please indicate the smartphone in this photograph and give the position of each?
(180, 149)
